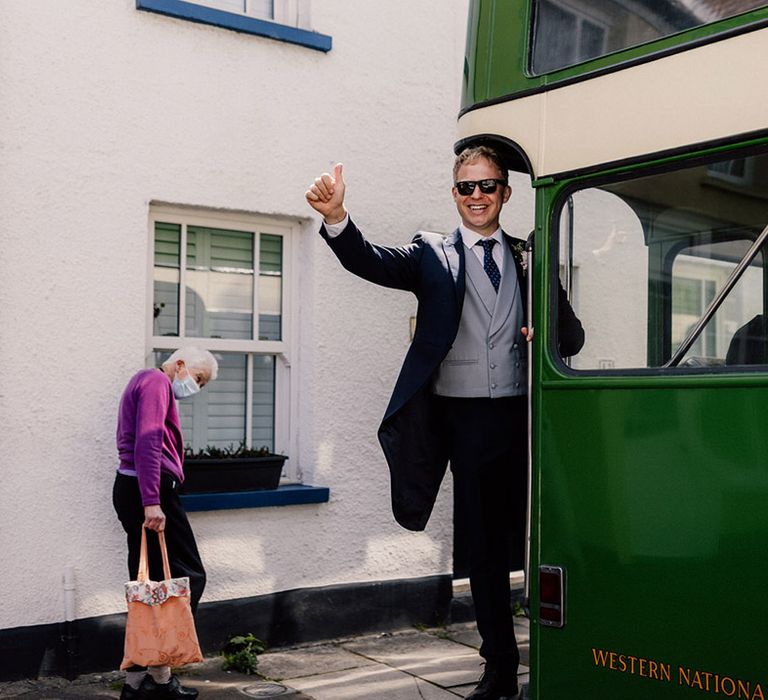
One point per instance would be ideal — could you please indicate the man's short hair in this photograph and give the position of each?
(470, 155)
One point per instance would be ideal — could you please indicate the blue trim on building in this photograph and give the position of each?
(289, 495)
(237, 23)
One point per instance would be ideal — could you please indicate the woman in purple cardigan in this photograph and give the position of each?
(151, 451)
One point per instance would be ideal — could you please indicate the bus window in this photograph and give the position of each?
(567, 32)
(698, 271)
(642, 259)
(606, 238)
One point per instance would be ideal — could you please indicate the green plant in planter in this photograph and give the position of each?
(241, 653)
(231, 452)
(222, 469)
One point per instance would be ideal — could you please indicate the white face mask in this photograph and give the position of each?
(185, 388)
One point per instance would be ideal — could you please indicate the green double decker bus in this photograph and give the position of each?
(643, 125)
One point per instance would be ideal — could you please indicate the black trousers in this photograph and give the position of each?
(487, 439)
(183, 556)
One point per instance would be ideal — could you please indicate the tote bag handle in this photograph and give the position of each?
(143, 574)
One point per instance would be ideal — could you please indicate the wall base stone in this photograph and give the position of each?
(281, 619)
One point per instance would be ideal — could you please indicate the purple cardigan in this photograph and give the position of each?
(149, 433)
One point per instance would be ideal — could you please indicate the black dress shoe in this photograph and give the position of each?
(129, 693)
(496, 684)
(166, 691)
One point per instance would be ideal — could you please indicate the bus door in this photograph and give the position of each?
(649, 529)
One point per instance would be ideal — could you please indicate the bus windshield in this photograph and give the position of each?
(567, 32)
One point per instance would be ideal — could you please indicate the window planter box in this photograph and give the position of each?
(209, 475)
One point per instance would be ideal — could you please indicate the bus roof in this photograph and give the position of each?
(695, 87)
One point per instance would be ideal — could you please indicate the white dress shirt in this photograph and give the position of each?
(335, 229)
(471, 240)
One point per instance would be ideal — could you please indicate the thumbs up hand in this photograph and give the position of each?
(326, 195)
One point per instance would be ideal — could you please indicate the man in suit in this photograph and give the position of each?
(460, 396)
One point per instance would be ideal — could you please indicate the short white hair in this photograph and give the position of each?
(195, 358)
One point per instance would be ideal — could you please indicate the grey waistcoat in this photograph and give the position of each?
(488, 357)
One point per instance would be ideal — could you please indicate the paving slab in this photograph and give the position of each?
(463, 690)
(69, 693)
(465, 633)
(522, 684)
(377, 682)
(93, 686)
(437, 664)
(440, 661)
(308, 661)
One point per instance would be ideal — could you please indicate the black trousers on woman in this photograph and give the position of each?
(487, 441)
(183, 556)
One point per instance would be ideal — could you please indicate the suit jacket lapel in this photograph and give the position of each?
(521, 274)
(454, 253)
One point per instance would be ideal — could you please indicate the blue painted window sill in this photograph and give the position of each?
(288, 495)
(238, 23)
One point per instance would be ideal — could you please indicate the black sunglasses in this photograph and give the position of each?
(467, 187)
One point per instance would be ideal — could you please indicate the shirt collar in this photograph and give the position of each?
(470, 238)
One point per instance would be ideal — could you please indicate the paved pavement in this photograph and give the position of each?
(431, 664)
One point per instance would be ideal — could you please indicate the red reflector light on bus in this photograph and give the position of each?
(551, 600)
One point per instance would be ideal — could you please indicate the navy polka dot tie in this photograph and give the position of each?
(489, 264)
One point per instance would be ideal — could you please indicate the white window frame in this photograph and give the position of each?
(284, 351)
(293, 13)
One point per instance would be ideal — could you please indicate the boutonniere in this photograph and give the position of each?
(518, 252)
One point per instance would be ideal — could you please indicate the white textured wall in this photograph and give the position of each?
(104, 109)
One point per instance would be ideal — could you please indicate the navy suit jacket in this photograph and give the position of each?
(432, 267)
